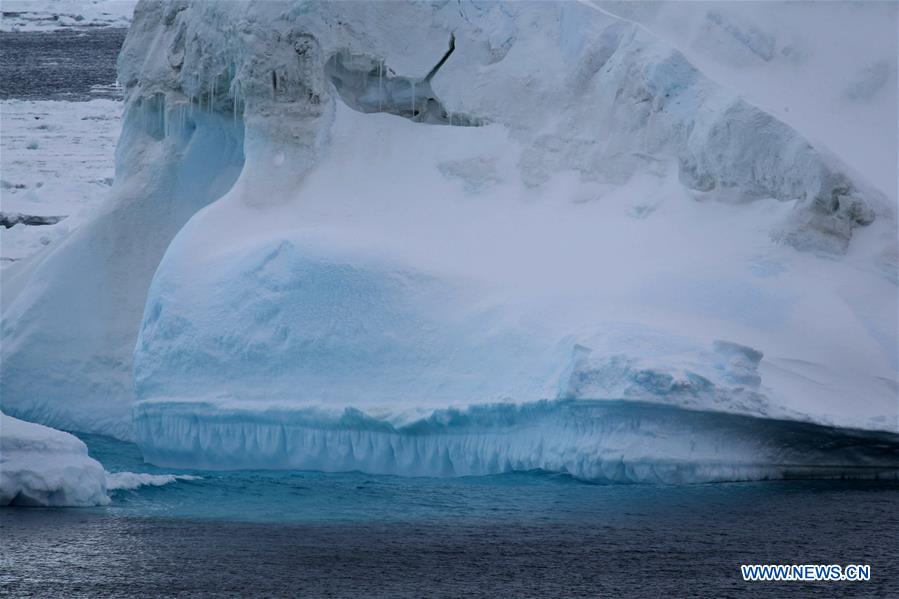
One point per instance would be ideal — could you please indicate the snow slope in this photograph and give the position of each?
(80, 300)
(40, 466)
(433, 252)
(829, 71)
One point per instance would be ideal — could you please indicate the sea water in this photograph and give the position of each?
(527, 534)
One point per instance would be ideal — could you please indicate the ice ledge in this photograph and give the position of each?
(608, 441)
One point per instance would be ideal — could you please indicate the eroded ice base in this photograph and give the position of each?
(40, 466)
(608, 441)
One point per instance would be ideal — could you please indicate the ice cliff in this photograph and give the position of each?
(450, 238)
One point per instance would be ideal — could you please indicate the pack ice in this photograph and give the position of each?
(462, 238)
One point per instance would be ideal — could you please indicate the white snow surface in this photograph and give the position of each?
(326, 254)
(40, 466)
(51, 15)
(56, 159)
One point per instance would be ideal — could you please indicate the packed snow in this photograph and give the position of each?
(520, 235)
(40, 466)
(608, 441)
(44, 467)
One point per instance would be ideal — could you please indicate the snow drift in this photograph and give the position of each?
(40, 466)
(361, 217)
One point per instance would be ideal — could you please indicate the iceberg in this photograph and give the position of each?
(603, 441)
(40, 466)
(461, 238)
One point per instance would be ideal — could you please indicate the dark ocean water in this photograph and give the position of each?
(59, 65)
(531, 534)
(670, 546)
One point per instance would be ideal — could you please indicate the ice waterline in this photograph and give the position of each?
(311, 247)
(603, 441)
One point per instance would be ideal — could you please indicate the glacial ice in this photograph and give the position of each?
(71, 314)
(40, 466)
(624, 272)
(605, 441)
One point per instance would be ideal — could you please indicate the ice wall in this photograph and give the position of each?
(605, 441)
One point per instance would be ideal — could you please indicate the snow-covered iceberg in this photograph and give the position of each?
(40, 466)
(367, 222)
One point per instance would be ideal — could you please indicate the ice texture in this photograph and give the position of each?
(40, 466)
(444, 238)
(605, 441)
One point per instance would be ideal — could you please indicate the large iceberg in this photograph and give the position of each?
(40, 466)
(452, 238)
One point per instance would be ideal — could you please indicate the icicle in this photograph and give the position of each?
(380, 85)
(413, 99)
